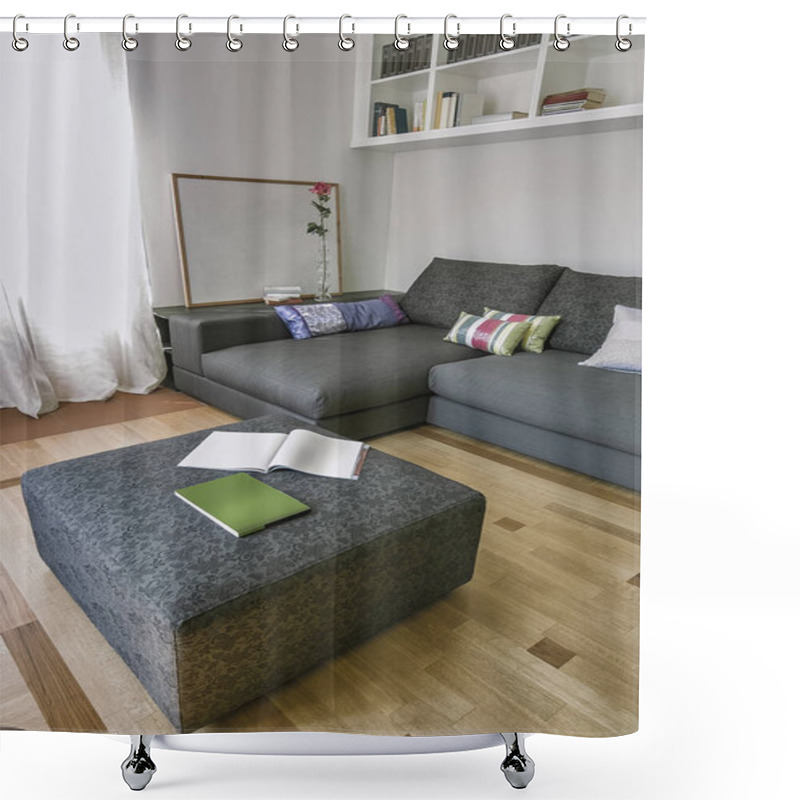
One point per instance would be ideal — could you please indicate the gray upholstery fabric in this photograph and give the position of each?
(605, 463)
(585, 302)
(549, 390)
(337, 374)
(356, 425)
(208, 621)
(214, 329)
(447, 287)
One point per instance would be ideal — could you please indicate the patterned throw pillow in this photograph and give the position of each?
(491, 335)
(314, 319)
(320, 319)
(541, 328)
(622, 349)
(366, 315)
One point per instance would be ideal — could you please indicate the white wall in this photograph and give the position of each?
(570, 200)
(260, 113)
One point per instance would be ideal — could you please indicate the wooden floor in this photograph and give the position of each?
(544, 638)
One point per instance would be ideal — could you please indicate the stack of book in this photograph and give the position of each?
(577, 100)
(416, 56)
(277, 295)
(456, 108)
(389, 119)
(478, 45)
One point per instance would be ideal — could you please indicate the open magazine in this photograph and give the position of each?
(300, 450)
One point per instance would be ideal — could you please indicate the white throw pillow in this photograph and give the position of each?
(622, 349)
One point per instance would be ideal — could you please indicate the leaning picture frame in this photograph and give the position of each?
(236, 235)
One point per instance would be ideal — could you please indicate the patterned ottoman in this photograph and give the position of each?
(208, 621)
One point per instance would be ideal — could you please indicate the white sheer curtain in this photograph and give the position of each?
(71, 246)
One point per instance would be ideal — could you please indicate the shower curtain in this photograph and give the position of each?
(430, 173)
(77, 313)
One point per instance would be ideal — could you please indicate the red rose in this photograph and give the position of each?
(321, 189)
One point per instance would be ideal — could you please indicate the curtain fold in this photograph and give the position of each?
(72, 246)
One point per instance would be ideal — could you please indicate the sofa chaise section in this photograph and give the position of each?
(357, 384)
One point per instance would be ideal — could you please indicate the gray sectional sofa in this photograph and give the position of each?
(366, 383)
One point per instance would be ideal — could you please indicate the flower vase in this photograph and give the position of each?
(323, 294)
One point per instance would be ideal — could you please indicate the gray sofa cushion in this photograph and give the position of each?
(336, 374)
(549, 390)
(447, 287)
(585, 303)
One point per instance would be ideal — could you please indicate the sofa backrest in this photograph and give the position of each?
(585, 302)
(448, 286)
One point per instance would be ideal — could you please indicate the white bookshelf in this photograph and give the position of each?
(514, 80)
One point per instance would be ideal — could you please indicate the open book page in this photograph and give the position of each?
(233, 450)
(316, 454)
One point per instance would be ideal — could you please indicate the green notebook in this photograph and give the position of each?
(240, 503)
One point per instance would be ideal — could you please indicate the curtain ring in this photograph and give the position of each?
(560, 43)
(233, 44)
(401, 43)
(128, 42)
(290, 44)
(345, 42)
(507, 42)
(70, 42)
(18, 43)
(181, 42)
(450, 42)
(623, 45)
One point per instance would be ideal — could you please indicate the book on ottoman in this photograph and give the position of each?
(241, 503)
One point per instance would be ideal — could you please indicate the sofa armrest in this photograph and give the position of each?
(194, 334)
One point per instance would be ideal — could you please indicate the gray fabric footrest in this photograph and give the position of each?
(208, 621)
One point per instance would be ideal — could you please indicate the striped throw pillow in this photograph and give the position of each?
(540, 328)
(491, 335)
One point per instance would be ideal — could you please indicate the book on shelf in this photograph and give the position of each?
(389, 119)
(415, 57)
(597, 95)
(300, 450)
(456, 108)
(574, 100)
(562, 108)
(420, 111)
(446, 107)
(401, 120)
(502, 116)
(476, 46)
(241, 504)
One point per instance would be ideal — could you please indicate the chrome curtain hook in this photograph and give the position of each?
(128, 42)
(70, 42)
(623, 45)
(181, 42)
(18, 43)
(345, 42)
(290, 43)
(233, 44)
(507, 42)
(561, 42)
(401, 43)
(450, 41)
